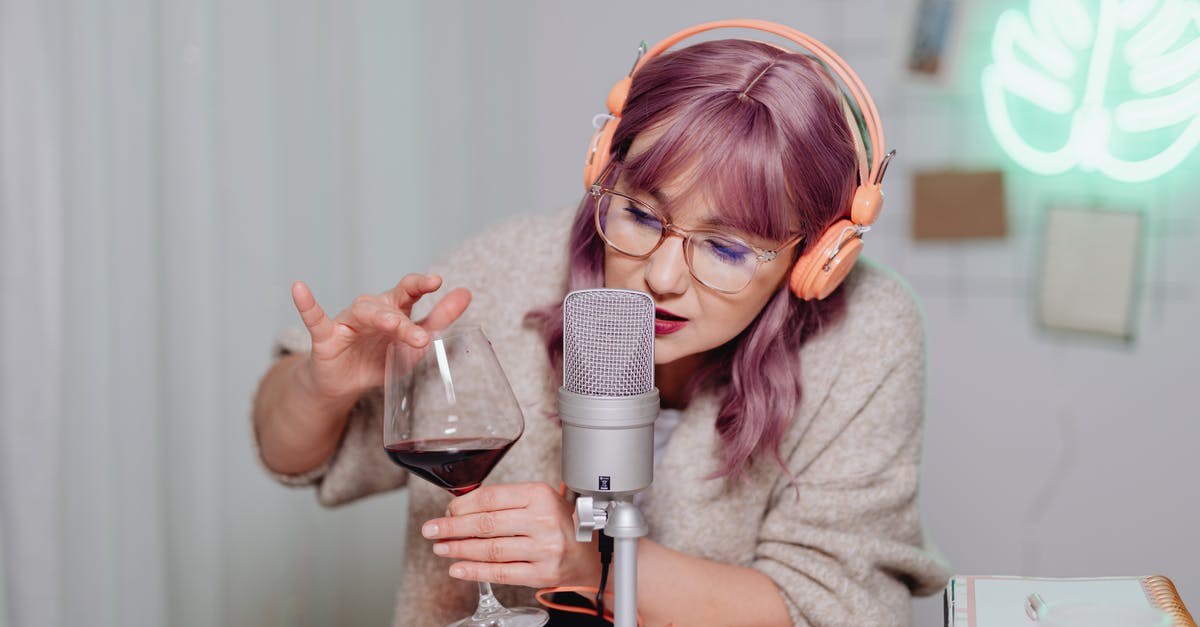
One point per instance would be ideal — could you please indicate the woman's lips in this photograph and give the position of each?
(666, 323)
(667, 327)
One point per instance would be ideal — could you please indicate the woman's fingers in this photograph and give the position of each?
(499, 497)
(506, 522)
(413, 287)
(512, 533)
(320, 327)
(372, 314)
(385, 314)
(525, 509)
(410, 289)
(495, 511)
(447, 310)
(505, 549)
(516, 573)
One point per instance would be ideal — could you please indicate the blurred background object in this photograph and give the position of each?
(168, 169)
(1090, 263)
(956, 204)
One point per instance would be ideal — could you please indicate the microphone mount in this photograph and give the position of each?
(617, 518)
(622, 521)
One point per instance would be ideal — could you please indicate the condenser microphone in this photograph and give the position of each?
(608, 402)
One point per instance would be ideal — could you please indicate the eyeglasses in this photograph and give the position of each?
(723, 262)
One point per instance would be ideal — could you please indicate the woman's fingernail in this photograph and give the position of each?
(429, 530)
(441, 549)
(419, 334)
(457, 572)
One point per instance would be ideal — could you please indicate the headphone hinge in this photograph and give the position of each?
(641, 52)
(884, 165)
(848, 233)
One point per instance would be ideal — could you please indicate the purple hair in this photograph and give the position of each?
(762, 132)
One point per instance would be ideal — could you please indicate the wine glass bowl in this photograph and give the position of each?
(449, 416)
(449, 412)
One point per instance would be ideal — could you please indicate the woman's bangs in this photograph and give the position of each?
(739, 170)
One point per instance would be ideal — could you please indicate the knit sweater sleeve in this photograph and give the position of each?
(359, 466)
(491, 265)
(844, 542)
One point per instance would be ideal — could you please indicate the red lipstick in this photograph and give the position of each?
(666, 323)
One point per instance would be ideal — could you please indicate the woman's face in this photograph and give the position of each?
(691, 318)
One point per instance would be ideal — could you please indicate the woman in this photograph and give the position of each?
(788, 447)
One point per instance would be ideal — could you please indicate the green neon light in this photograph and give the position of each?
(1115, 90)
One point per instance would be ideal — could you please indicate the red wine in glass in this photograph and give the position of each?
(449, 416)
(455, 464)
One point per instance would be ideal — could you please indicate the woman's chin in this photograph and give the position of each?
(670, 352)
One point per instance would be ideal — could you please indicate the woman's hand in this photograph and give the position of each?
(519, 534)
(303, 402)
(348, 351)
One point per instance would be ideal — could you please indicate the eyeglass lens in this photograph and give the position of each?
(720, 262)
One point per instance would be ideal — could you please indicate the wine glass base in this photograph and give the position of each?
(506, 617)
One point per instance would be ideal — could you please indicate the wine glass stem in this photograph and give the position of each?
(488, 604)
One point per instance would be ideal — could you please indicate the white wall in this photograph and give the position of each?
(231, 147)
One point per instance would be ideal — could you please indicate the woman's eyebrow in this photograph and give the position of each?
(721, 222)
(659, 196)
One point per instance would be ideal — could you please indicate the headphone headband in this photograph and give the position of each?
(853, 84)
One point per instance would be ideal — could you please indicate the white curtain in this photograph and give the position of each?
(32, 312)
(167, 170)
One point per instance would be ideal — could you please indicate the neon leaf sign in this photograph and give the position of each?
(1115, 90)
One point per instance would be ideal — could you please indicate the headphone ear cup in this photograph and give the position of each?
(598, 151)
(815, 275)
(867, 203)
(618, 95)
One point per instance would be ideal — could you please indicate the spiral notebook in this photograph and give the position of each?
(998, 601)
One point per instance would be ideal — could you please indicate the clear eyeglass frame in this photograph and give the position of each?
(763, 255)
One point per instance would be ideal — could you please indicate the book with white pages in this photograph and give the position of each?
(1009, 601)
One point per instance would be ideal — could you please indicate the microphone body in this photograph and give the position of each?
(608, 443)
(608, 403)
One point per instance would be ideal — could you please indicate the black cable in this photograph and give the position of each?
(606, 550)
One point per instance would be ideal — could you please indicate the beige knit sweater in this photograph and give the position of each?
(845, 545)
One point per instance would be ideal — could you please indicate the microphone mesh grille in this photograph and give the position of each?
(608, 342)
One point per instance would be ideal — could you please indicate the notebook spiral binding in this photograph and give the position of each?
(1163, 591)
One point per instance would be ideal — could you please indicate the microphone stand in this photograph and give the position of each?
(622, 521)
(607, 406)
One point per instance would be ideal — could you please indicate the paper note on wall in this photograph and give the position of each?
(1089, 270)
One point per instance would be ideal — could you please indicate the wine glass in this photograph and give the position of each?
(449, 417)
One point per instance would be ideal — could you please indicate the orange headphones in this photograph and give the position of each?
(827, 262)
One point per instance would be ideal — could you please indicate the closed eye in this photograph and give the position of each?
(727, 251)
(642, 217)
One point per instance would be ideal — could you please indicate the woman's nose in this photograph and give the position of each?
(666, 269)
